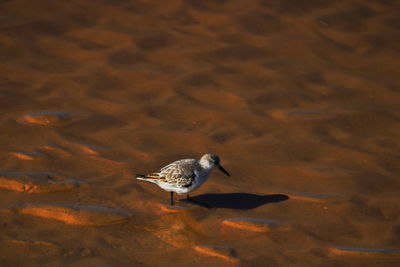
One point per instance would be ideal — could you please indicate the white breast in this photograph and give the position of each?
(201, 177)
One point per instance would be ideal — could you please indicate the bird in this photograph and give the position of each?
(185, 175)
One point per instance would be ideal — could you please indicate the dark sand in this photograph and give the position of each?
(299, 98)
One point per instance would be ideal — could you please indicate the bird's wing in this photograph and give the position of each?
(181, 172)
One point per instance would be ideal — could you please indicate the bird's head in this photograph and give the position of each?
(211, 161)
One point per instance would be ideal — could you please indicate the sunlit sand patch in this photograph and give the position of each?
(37, 182)
(208, 18)
(33, 243)
(141, 155)
(225, 253)
(102, 37)
(50, 118)
(161, 208)
(95, 152)
(73, 214)
(364, 251)
(109, 162)
(309, 197)
(219, 98)
(166, 208)
(304, 196)
(324, 172)
(256, 225)
(30, 155)
(178, 229)
(301, 115)
(288, 115)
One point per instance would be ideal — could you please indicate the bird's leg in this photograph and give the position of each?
(172, 198)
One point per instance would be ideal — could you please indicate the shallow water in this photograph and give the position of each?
(299, 99)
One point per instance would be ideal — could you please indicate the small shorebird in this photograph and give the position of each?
(185, 175)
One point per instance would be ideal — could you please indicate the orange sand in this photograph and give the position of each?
(300, 98)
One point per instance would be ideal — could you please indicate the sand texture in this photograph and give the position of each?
(299, 98)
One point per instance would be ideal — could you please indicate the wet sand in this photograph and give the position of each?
(299, 98)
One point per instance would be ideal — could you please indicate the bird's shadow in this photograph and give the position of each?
(239, 201)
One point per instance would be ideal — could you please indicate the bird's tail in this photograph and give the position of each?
(148, 178)
(140, 176)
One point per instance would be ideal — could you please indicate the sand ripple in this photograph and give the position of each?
(225, 253)
(74, 214)
(50, 118)
(29, 155)
(256, 225)
(364, 251)
(33, 243)
(37, 182)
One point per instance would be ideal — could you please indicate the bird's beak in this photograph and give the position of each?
(223, 170)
